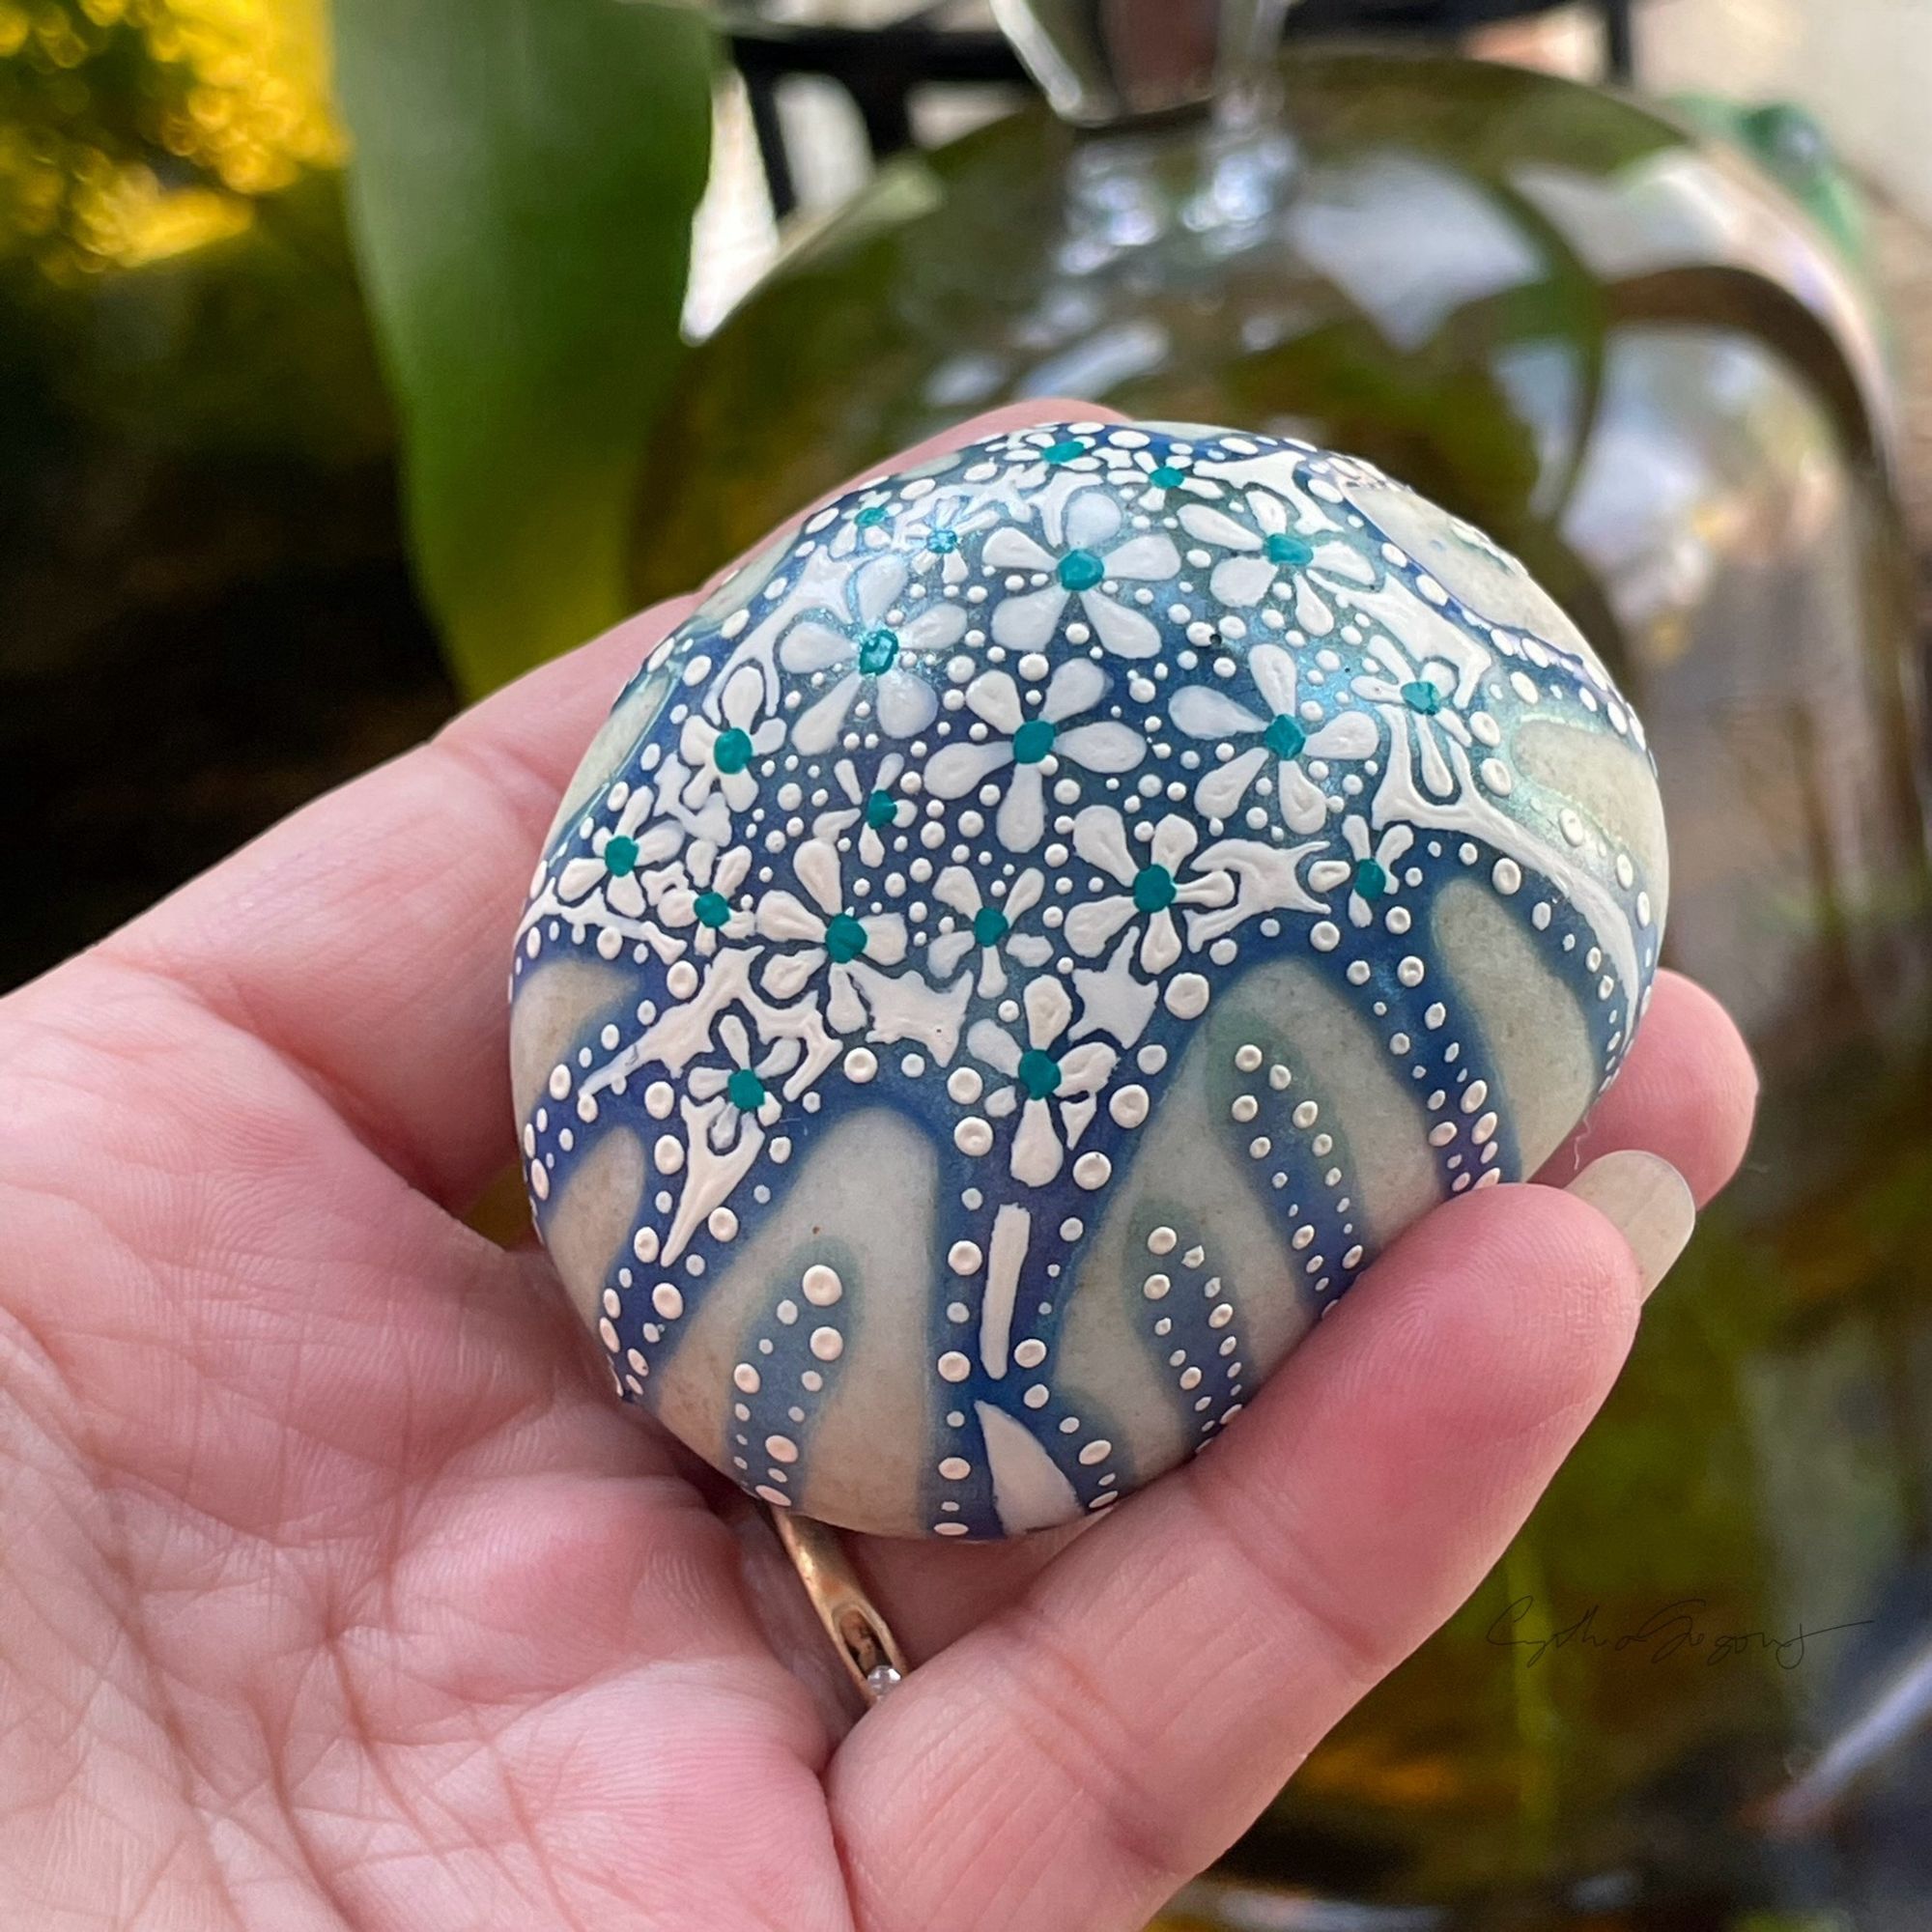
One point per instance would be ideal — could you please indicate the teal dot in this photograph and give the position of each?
(1033, 741)
(1284, 737)
(845, 938)
(1067, 451)
(1372, 881)
(878, 651)
(943, 542)
(1154, 888)
(1039, 1074)
(990, 926)
(881, 808)
(732, 751)
(1081, 569)
(744, 1090)
(871, 516)
(713, 909)
(1287, 550)
(1422, 696)
(620, 854)
(1168, 477)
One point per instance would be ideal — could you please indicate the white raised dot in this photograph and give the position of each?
(949, 1529)
(1411, 971)
(973, 1135)
(723, 1223)
(644, 1244)
(822, 1285)
(1483, 1129)
(1325, 935)
(1248, 1057)
(1097, 1451)
(1162, 1242)
(955, 1468)
(827, 1344)
(775, 1498)
(1307, 1114)
(780, 1448)
(1474, 1095)
(668, 1155)
(1220, 1315)
(964, 1084)
(1187, 996)
(559, 1082)
(861, 1066)
(681, 982)
(1157, 1286)
(1128, 1106)
(1031, 1352)
(963, 1258)
(1443, 1133)
(747, 1377)
(1506, 875)
(1245, 1107)
(1496, 775)
(607, 1332)
(667, 1300)
(1036, 1396)
(1092, 1171)
(953, 1367)
(1571, 825)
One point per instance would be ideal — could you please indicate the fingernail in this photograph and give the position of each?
(1648, 1203)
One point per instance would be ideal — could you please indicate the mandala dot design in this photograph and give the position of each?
(1020, 950)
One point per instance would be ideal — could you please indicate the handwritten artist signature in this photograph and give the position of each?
(1677, 1629)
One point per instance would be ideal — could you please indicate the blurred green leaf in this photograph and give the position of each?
(524, 179)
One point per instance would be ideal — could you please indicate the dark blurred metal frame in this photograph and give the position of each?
(879, 66)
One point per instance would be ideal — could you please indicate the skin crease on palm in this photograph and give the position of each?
(338, 1592)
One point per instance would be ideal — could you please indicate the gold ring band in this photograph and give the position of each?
(860, 1635)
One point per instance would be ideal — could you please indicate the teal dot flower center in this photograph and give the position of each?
(1284, 737)
(1287, 552)
(845, 938)
(881, 808)
(1039, 1074)
(713, 909)
(990, 926)
(1422, 696)
(732, 751)
(1081, 570)
(871, 516)
(1168, 477)
(1033, 741)
(1154, 888)
(878, 651)
(943, 542)
(1372, 879)
(620, 855)
(744, 1090)
(1066, 451)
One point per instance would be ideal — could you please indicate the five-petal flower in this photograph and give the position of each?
(1088, 548)
(1305, 555)
(1152, 886)
(1054, 1091)
(831, 936)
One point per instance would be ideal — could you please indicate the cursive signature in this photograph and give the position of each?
(1675, 1629)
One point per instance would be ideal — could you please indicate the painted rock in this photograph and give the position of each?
(1013, 957)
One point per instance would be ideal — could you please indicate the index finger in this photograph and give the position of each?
(367, 937)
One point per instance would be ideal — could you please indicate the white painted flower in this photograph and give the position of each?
(989, 924)
(1370, 871)
(698, 893)
(866, 524)
(721, 754)
(1285, 735)
(1303, 557)
(1033, 456)
(1089, 553)
(1152, 888)
(876, 808)
(1155, 476)
(827, 935)
(746, 1085)
(1032, 743)
(877, 651)
(1415, 696)
(616, 862)
(1055, 1092)
(941, 534)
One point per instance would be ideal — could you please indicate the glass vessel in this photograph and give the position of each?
(1625, 351)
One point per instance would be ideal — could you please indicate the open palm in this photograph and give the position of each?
(338, 1592)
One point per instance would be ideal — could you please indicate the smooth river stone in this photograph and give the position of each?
(1020, 950)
